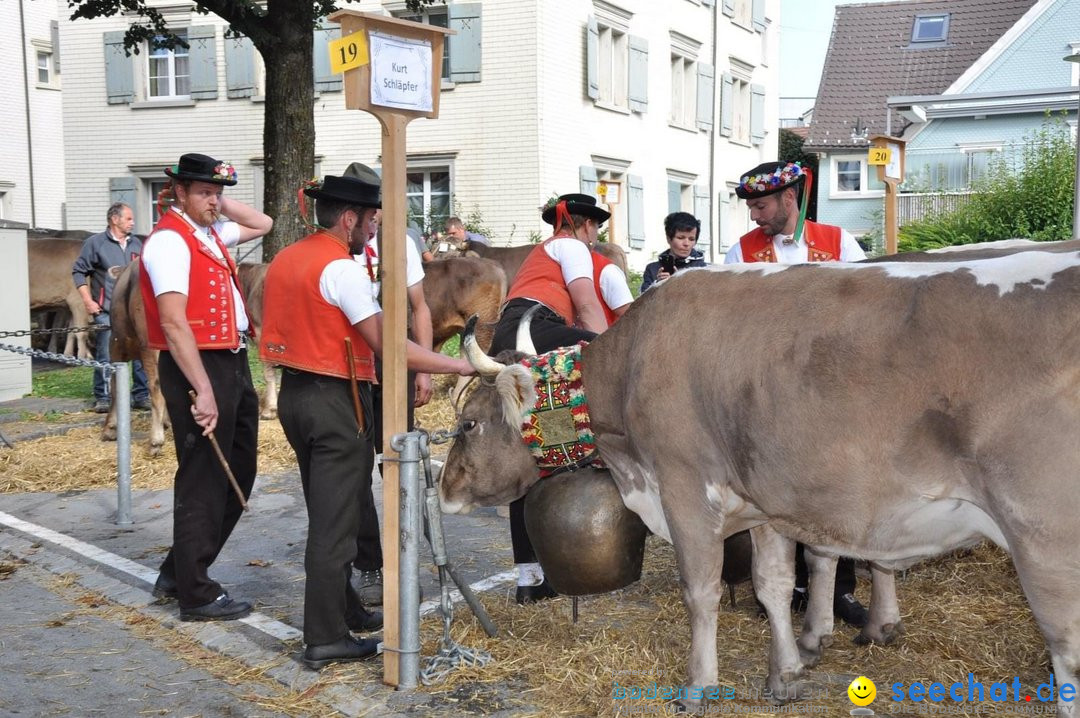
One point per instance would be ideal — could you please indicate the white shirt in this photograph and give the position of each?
(573, 256)
(850, 251)
(414, 265)
(345, 284)
(613, 287)
(167, 260)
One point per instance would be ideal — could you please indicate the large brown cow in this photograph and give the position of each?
(49, 259)
(883, 411)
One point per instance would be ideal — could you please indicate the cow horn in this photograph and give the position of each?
(481, 362)
(524, 334)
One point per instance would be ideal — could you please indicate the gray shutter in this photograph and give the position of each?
(122, 189)
(587, 176)
(325, 81)
(202, 56)
(703, 211)
(119, 70)
(465, 46)
(239, 67)
(639, 73)
(757, 114)
(54, 37)
(708, 3)
(729, 8)
(705, 81)
(635, 211)
(759, 15)
(674, 196)
(592, 59)
(727, 112)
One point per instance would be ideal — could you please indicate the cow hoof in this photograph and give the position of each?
(268, 414)
(811, 656)
(789, 690)
(888, 634)
(108, 433)
(154, 450)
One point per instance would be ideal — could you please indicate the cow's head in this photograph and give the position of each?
(489, 464)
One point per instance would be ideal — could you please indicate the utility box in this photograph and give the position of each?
(14, 310)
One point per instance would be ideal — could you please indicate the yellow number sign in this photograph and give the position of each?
(348, 52)
(879, 156)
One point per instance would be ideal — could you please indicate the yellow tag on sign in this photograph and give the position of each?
(879, 156)
(347, 53)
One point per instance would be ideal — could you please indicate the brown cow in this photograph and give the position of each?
(50, 258)
(511, 258)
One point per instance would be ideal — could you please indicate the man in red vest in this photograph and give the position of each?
(316, 297)
(195, 314)
(771, 191)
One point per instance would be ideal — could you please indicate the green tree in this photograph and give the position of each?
(281, 30)
(791, 150)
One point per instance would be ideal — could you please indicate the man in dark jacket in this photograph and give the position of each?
(95, 271)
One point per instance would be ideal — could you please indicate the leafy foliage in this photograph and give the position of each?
(791, 150)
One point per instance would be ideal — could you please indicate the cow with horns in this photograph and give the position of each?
(889, 412)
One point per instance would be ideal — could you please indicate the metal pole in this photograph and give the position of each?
(408, 448)
(122, 402)
(1075, 57)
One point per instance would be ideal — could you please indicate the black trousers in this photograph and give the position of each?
(845, 573)
(549, 331)
(335, 462)
(205, 507)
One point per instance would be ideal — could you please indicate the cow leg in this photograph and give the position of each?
(774, 580)
(108, 432)
(157, 401)
(884, 625)
(269, 401)
(818, 624)
(80, 319)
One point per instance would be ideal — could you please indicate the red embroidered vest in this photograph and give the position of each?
(599, 261)
(210, 310)
(300, 328)
(540, 278)
(822, 244)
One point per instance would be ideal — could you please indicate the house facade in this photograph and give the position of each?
(672, 100)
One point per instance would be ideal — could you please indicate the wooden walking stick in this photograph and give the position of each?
(354, 385)
(224, 463)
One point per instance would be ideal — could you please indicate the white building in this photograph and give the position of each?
(670, 97)
(32, 150)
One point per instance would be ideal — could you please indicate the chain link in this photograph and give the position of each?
(61, 358)
(441, 436)
(47, 332)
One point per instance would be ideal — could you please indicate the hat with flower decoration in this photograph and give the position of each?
(769, 178)
(202, 168)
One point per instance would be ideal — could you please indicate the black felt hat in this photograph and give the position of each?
(351, 190)
(203, 168)
(581, 204)
(769, 178)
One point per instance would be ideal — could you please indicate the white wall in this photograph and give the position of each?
(14, 300)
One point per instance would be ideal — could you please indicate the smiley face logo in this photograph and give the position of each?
(862, 691)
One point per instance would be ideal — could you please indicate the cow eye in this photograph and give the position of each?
(468, 425)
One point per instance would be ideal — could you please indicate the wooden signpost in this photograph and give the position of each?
(610, 193)
(398, 82)
(888, 154)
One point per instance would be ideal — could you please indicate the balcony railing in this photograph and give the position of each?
(915, 206)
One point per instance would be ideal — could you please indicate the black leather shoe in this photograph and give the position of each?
(165, 587)
(222, 608)
(532, 594)
(343, 651)
(363, 620)
(142, 404)
(799, 599)
(848, 609)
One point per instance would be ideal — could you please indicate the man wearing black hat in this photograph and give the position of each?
(580, 294)
(195, 314)
(323, 325)
(785, 236)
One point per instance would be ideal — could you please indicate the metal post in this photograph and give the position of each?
(122, 403)
(1075, 57)
(408, 448)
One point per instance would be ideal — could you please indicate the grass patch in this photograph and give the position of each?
(76, 382)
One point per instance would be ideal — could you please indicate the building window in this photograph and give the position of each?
(428, 193)
(614, 55)
(744, 12)
(439, 17)
(851, 175)
(168, 73)
(930, 28)
(683, 92)
(44, 67)
(153, 188)
(740, 118)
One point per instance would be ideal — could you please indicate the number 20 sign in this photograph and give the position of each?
(879, 156)
(348, 52)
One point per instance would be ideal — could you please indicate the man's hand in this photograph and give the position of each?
(423, 390)
(92, 307)
(204, 409)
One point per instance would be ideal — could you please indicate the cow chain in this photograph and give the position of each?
(47, 332)
(61, 358)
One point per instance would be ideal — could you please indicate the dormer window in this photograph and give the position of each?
(930, 28)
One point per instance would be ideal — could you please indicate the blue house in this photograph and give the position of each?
(963, 81)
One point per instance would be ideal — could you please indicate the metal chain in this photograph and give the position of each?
(46, 332)
(441, 436)
(61, 358)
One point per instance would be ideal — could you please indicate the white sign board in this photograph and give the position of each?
(892, 167)
(400, 73)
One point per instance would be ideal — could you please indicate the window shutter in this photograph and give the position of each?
(727, 112)
(54, 37)
(239, 67)
(587, 175)
(729, 8)
(122, 189)
(639, 73)
(592, 59)
(705, 82)
(635, 211)
(119, 70)
(757, 114)
(703, 211)
(203, 58)
(465, 46)
(674, 196)
(708, 3)
(325, 81)
(759, 15)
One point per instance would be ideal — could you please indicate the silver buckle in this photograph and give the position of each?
(243, 344)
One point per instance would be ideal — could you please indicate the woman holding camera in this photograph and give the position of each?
(682, 230)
